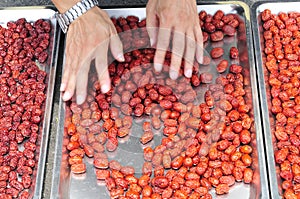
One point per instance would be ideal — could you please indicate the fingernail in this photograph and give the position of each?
(158, 67)
(121, 57)
(105, 88)
(201, 60)
(188, 73)
(151, 42)
(67, 96)
(62, 87)
(80, 99)
(173, 75)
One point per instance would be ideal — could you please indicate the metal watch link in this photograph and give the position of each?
(65, 19)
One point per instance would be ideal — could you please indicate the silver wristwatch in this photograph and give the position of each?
(65, 19)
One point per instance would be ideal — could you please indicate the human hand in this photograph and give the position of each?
(181, 18)
(88, 38)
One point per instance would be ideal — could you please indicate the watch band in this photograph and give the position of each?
(65, 19)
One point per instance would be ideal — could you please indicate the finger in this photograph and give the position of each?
(70, 89)
(101, 67)
(81, 82)
(67, 66)
(66, 74)
(199, 44)
(104, 80)
(152, 27)
(151, 22)
(178, 46)
(163, 41)
(72, 63)
(189, 55)
(116, 46)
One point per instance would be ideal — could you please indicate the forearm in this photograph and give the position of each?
(64, 5)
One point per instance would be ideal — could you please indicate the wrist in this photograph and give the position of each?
(71, 14)
(64, 5)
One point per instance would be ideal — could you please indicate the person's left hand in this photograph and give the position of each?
(181, 18)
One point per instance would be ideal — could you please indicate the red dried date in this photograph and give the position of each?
(164, 90)
(127, 171)
(222, 66)
(102, 174)
(78, 168)
(206, 78)
(222, 189)
(206, 60)
(160, 181)
(229, 30)
(209, 27)
(216, 52)
(235, 68)
(166, 104)
(217, 36)
(234, 53)
(147, 137)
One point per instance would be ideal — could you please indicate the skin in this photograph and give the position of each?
(95, 31)
(180, 18)
(91, 35)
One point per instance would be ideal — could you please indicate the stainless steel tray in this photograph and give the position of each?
(264, 88)
(32, 14)
(85, 186)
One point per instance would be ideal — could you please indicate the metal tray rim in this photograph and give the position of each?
(262, 94)
(48, 111)
(256, 104)
(259, 136)
(273, 182)
(58, 153)
(37, 193)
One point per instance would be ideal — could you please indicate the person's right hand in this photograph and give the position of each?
(88, 38)
(179, 19)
